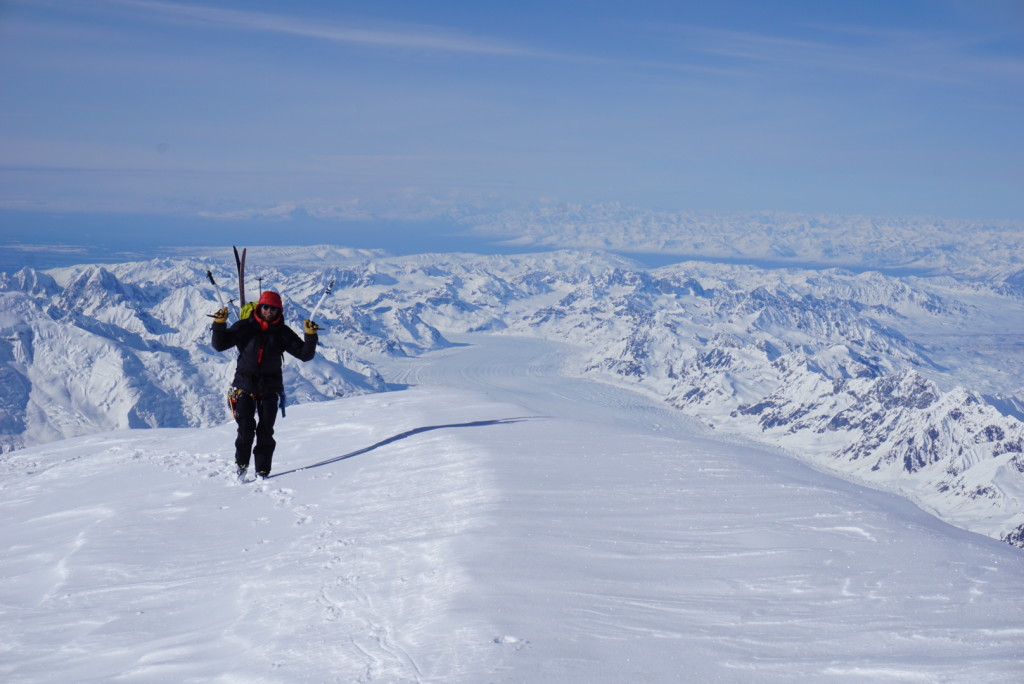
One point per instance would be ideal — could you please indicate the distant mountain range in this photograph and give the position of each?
(919, 245)
(907, 384)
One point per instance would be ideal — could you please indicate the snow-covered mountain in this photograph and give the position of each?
(93, 348)
(903, 383)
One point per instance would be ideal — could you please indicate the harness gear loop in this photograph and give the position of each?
(233, 395)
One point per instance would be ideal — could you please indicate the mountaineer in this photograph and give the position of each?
(261, 339)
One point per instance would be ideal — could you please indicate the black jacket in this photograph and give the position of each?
(260, 351)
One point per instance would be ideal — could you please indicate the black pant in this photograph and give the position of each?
(256, 416)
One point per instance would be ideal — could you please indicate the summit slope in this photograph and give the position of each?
(493, 523)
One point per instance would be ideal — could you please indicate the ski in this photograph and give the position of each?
(240, 265)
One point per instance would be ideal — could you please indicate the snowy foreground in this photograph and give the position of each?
(492, 523)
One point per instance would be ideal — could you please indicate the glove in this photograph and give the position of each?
(221, 316)
(309, 327)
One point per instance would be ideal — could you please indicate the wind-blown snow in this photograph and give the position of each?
(498, 522)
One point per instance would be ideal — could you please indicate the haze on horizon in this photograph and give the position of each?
(254, 109)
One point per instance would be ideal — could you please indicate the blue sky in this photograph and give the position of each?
(234, 108)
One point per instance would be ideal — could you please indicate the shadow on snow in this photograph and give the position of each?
(401, 436)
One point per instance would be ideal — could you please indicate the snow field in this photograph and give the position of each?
(159, 566)
(648, 559)
(495, 523)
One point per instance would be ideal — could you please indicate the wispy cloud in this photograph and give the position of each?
(418, 37)
(278, 211)
(409, 37)
(902, 54)
(353, 32)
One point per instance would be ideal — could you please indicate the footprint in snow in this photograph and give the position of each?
(515, 642)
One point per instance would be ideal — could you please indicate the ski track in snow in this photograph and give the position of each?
(596, 536)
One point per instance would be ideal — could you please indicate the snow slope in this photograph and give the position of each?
(496, 522)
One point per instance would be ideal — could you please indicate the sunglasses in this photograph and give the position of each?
(268, 307)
